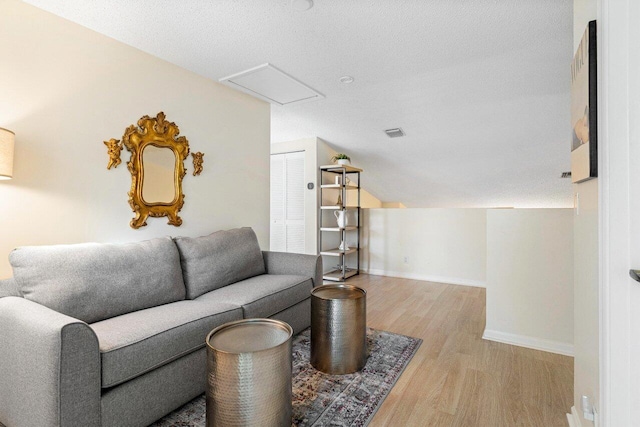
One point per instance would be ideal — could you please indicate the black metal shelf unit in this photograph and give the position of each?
(340, 190)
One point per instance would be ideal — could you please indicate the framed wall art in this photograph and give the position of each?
(584, 108)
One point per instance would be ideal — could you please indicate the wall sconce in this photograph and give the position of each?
(6, 153)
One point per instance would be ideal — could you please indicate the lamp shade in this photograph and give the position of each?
(6, 153)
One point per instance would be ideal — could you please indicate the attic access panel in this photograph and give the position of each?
(272, 85)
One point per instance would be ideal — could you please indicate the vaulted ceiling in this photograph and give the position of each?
(481, 87)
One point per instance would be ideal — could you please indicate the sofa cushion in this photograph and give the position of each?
(265, 295)
(93, 281)
(219, 259)
(139, 342)
(9, 288)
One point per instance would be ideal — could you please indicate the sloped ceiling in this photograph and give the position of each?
(481, 87)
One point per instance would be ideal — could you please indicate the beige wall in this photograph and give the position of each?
(65, 89)
(367, 200)
(440, 245)
(530, 278)
(324, 153)
(586, 262)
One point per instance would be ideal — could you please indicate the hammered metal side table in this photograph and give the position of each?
(249, 374)
(338, 328)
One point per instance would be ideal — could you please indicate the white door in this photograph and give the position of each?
(619, 92)
(287, 202)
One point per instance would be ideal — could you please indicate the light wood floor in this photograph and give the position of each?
(456, 378)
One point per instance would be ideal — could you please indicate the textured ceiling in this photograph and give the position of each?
(481, 87)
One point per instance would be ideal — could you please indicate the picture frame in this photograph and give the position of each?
(584, 108)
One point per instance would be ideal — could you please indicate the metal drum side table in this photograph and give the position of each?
(338, 328)
(249, 374)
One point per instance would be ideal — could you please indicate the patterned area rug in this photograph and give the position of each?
(329, 400)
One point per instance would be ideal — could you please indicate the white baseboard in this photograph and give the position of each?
(426, 278)
(574, 418)
(529, 342)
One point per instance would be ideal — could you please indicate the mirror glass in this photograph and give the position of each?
(158, 185)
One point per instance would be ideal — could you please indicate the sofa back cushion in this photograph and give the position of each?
(219, 259)
(93, 281)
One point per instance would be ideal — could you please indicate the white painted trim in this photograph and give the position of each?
(603, 23)
(426, 278)
(574, 418)
(529, 342)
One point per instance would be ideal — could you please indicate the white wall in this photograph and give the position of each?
(524, 257)
(441, 245)
(586, 259)
(396, 205)
(530, 278)
(586, 299)
(65, 89)
(583, 12)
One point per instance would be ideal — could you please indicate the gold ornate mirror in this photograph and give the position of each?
(156, 166)
(157, 169)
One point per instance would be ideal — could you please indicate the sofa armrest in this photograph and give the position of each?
(288, 263)
(49, 367)
(9, 288)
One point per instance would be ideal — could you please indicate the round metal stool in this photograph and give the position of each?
(338, 328)
(249, 374)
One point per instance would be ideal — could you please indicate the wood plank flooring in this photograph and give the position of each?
(456, 378)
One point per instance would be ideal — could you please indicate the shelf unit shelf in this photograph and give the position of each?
(338, 252)
(338, 228)
(339, 276)
(345, 267)
(340, 168)
(338, 187)
(336, 207)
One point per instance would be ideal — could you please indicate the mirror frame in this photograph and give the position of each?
(163, 134)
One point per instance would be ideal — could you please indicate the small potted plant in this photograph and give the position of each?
(341, 158)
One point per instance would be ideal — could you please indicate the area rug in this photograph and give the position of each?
(329, 400)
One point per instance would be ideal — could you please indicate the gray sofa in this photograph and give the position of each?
(113, 334)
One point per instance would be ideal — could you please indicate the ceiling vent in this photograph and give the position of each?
(565, 175)
(272, 85)
(394, 133)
